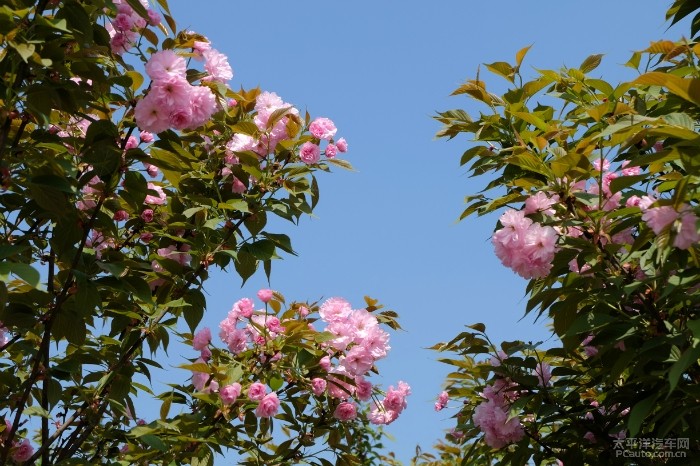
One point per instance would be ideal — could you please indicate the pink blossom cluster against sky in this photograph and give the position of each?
(380, 70)
(358, 343)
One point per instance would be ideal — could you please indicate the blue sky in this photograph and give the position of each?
(381, 70)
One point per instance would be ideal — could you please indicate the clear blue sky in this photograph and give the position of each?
(380, 70)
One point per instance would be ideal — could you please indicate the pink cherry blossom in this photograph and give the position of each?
(147, 215)
(159, 198)
(216, 64)
(120, 215)
(257, 391)
(265, 295)
(146, 137)
(331, 151)
(345, 412)
(338, 386)
(659, 218)
(318, 386)
(493, 420)
(237, 186)
(309, 153)
(244, 307)
(150, 115)
(357, 361)
(230, 393)
(153, 17)
(687, 235)
(335, 309)
(201, 382)
(201, 339)
(203, 103)
(268, 406)
(363, 388)
(325, 363)
(21, 452)
(442, 400)
(165, 64)
(544, 373)
(322, 128)
(342, 145)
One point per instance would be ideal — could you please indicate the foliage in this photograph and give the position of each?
(601, 183)
(101, 267)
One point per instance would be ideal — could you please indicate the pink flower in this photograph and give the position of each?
(687, 235)
(150, 115)
(265, 295)
(152, 170)
(146, 137)
(493, 420)
(589, 349)
(216, 64)
(345, 412)
(331, 151)
(268, 406)
(605, 166)
(147, 215)
(322, 128)
(201, 339)
(659, 218)
(318, 386)
(257, 391)
(544, 373)
(23, 451)
(153, 17)
(203, 103)
(526, 247)
(165, 64)
(335, 309)
(540, 203)
(230, 393)
(244, 307)
(200, 380)
(342, 145)
(158, 199)
(363, 388)
(309, 153)
(357, 361)
(131, 143)
(325, 363)
(395, 399)
(237, 186)
(442, 400)
(339, 387)
(120, 215)
(146, 236)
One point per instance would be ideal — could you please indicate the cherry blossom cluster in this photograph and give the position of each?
(356, 342)
(492, 415)
(525, 246)
(172, 102)
(321, 129)
(271, 118)
(20, 451)
(125, 27)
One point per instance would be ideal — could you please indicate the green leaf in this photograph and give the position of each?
(590, 63)
(686, 88)
(154, 442)
(24, 50)
(639, 413)
(24, 271)
(690, 356)
(245, 265)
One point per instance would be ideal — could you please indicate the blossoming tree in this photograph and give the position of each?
(598, 185)
(130, 171)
